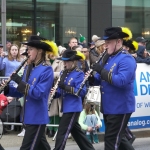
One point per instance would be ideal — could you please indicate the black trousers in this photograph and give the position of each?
(115, 126)
(69, 123)
(34, 138)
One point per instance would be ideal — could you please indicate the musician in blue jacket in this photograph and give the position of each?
(35, 85)
(70, 81)
(116, 75)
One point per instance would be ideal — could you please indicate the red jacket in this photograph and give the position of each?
(4, 99)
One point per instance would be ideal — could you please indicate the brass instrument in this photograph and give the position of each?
(7, 82)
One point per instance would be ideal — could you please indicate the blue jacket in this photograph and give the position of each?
(118, 97)
(9, 66)
(71, 102)
(36, 103)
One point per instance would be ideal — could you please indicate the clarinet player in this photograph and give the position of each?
(115, 76)
(35, 86)
(69, 84)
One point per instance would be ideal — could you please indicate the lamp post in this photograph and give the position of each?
(3, 23)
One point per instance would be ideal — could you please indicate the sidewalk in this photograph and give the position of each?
(12, 142)
(139, 133)
(139, 144)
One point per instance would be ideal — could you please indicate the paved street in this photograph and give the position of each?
(12, 142)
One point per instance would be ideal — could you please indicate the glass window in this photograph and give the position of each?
(58, 20)
(62, 19)
(19, 20)
(134, 14)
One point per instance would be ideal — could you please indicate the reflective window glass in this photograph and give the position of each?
(58, 20)
(134, 14)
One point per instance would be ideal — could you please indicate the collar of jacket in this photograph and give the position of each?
(114, 53)
(39, 62)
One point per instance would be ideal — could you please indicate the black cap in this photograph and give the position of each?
(92, 43)
(114, 33)
(141, 39)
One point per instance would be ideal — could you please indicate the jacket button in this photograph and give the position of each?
(26, 100)
(102, 92)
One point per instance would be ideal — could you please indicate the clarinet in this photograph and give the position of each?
(86, 78)
(54, 91)
(18, 69)
(83, 82)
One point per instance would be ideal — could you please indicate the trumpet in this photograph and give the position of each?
(7, 82)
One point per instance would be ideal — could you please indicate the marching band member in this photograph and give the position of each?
(116, 75)
(35, 85)
(131, 46)
(69, 84)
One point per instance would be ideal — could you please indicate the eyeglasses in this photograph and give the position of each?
(83, 51)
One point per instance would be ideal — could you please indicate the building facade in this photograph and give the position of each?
(60, 20)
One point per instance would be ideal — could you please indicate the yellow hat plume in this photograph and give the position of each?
(53, 46)
(81, 55)
(127, 31)
(135, 44)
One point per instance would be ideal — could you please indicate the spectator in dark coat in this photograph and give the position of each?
(142, 55)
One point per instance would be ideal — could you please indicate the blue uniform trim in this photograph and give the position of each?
(65, 58)
(105, 37)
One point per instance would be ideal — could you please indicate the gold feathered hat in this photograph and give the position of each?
(70, 55)
(42, 43)
(116, 33)
(133, 45)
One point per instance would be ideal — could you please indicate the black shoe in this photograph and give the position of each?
(132, 139)
(5, 131)
(47, 131)
(50, 134)
(1, 148)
